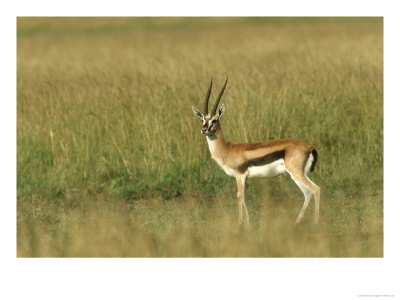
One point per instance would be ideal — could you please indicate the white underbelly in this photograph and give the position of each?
(273, 169)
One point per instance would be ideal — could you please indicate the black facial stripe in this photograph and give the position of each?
(211, 123)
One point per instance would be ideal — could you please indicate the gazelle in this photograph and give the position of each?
(267, 159)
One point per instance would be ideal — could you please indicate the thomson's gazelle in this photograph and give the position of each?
(266, 159)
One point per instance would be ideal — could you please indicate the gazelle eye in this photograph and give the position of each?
(214, 121)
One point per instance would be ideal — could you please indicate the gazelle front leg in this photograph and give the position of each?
(241, 196)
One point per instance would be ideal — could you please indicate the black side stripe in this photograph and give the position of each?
(262, 161)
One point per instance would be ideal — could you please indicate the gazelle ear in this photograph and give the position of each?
(221, 111)
(197, 112)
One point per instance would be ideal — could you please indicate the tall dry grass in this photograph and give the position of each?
(107, 142)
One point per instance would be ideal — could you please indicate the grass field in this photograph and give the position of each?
(110, 160)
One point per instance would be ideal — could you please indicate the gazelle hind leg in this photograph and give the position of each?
(309, 189)
(307, 197)
(317, 193)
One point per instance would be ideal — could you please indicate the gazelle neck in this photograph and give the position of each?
(217, 144)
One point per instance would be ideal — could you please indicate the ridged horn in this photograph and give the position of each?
(207, 98)
(219, 98)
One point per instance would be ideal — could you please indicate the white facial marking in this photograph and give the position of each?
(211, 122)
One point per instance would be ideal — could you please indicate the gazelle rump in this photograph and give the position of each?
(266, 159)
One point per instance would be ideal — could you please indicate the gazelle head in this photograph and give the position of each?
(211, 120)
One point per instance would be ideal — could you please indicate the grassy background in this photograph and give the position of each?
(110, 160)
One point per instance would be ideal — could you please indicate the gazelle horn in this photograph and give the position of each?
(219, 98)
(207, 98)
